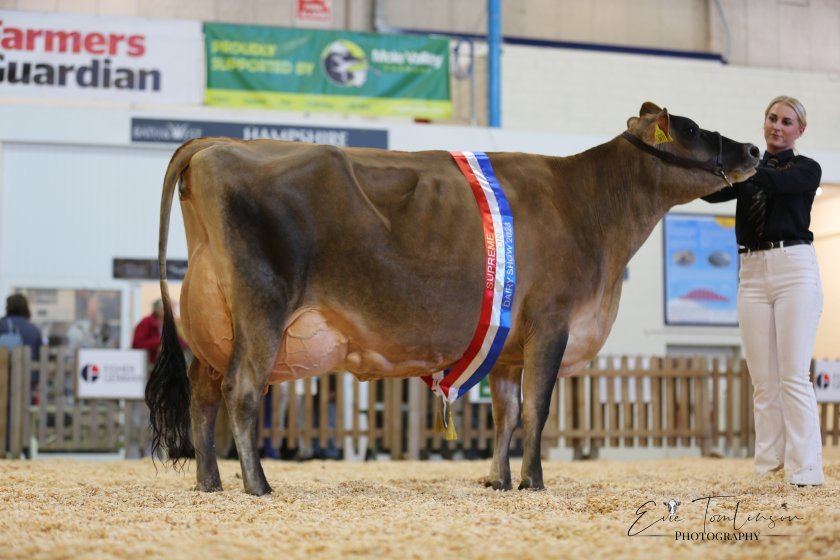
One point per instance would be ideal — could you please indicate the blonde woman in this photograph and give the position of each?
(780, 297)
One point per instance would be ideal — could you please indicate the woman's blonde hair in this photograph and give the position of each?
(794, 104)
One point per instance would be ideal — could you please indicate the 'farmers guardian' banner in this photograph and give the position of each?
(100, 58)
(312, 70)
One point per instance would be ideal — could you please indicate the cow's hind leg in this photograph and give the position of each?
(205, 398)
(543, 355)
(243, 391)
(256, 340)
(505, 386)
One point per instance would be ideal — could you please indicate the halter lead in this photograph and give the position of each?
(715, 167)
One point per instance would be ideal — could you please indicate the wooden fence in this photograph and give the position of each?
(47, 417)
(626, 401)
(629, 402)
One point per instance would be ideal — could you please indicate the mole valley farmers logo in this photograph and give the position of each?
(711, 518)
(345, 63)
(90, 373)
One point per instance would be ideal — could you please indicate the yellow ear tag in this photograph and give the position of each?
(659, 135)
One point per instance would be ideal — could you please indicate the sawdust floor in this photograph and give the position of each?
(60, 508)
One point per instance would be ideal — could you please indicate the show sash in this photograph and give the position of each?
(499, 281)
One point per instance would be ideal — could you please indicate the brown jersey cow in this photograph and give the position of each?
(305, 259)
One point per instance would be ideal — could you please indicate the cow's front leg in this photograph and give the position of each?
(243, 389)
(505, 388)
(205, 398)
(543, 355)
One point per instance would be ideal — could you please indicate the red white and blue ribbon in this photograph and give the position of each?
(499, 281)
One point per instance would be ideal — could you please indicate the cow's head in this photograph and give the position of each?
(703, 161)
(672, 507)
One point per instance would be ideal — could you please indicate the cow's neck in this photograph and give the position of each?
(624, 193)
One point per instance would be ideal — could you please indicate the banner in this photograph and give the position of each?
(147, 269)
(311, 70)
(111, 374)
(827, 381)
(177, 131)
(100, 58)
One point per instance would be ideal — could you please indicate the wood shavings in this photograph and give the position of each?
(57, 508)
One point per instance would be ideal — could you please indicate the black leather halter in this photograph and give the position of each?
(715, 166)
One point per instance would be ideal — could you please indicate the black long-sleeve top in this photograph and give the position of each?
(790, 189)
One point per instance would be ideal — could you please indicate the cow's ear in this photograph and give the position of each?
(632, 122)
(661, 128)
(649, 108)
(654, 128)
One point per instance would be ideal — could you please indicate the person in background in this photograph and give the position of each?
(780, 296)
(16, 322)
(148, 331)
(91, 331)
(16, 329)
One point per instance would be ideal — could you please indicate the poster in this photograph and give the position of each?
(701, 270)
(305, 70)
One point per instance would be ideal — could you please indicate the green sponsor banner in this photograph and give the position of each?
(311, 70)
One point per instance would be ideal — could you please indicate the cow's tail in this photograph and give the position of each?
(168, 389)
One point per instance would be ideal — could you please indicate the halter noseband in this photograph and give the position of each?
(715, 166)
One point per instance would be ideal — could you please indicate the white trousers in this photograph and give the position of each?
(780, 301)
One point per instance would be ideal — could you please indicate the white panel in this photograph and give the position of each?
(575, 22)
(794, 31)
(683, 25)
(67, 211)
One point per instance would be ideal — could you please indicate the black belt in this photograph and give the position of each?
(765, 245)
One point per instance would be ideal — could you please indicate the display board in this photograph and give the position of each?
(701, 270)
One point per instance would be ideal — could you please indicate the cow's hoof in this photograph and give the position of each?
(531, 484)
(260, 491)
(498, 485)
(213, 487)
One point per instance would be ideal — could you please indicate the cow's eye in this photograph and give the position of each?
(691, 130)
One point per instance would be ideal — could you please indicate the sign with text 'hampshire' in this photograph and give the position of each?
(335, 71)
(177, 131)
(102, 58)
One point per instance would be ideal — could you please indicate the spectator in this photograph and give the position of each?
(148, 331)
(92, 331)
(16, 330)
(16, 325)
